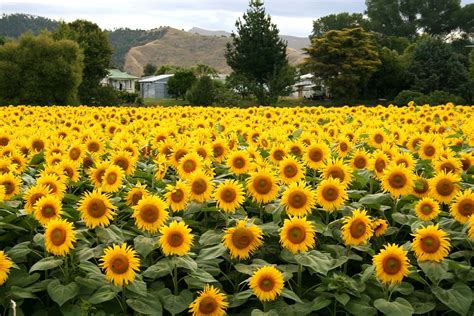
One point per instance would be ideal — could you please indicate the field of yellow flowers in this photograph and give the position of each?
(258, 211)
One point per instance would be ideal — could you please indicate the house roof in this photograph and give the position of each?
(117, 74)
(155, 78)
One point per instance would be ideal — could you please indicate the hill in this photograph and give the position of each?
(13, 25)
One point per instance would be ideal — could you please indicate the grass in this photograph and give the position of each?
(165, 102)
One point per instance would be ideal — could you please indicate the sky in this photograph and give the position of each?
(293, 17)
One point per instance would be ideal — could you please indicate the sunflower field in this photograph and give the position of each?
(258, 211)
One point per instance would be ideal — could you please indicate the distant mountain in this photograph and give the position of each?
(197, 30)
(13, 25)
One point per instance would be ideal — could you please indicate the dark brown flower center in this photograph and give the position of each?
(149, 213)
(466, 207)
(122, 162)
(278, 154)
(296, 234)
(238, 162)
(218, 150)
(38, 145)
(429, 150)
(430, 244)
(330, 193)
(266, 284)
(199, 186)
(316, 154)
(445, 187)
(242, 238)
(189, 166)
(93, 147)
(119, 264)
(9, 186)
(421, 186)
(58, 236)
(207, 305)
(360, 162)
(74, 153)
(448, 167)
(397, 180)
(336, 173)
(48, 211)
(175, 239)
(378, 138)
(297, 199)
(426, 209)
(111, 178)
(290, 170)
(177, 195)
(391, 265)
(295, 150)
(136, 197)
(343, 147)
(262, 184)
(96, 208)
(380, 164)
(228, 195)
(358, 228)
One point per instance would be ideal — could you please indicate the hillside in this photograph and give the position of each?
(13, 25)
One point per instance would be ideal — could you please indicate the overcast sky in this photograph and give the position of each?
(293, 17)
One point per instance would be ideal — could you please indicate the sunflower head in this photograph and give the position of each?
(336, 169)
(316, 154)
(5, 266)
(398, 180)
(290, 170)
(330, 194)
(421, 187)
(431, 243)
(444, 186)
(357, 228)
(11, 184)
(427, 209)
(298, 199)
(297, 235)
(120, 264)
(229, 195)
(267, 283)
(178, 195)
(201, 186)
(379, 226)
(96, 209)
(136, 194)
(391, 264)
(176, 239)
(112, 178)
(262, 186)
(150, 213)
(189, 164)
(47, 208)
(59, 237)
(239, 162)
(209, 302)
(463, 207)
(243, 239)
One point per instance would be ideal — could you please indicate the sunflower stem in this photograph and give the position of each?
(124, 300)
(265, 307)
(300, 279)
(66, 269)
(175, 280)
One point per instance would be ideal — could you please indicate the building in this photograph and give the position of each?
(120, 81)
(155, 86)
(308, 88)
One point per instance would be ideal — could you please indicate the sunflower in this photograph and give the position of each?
(379, 226)
(178, 195)
(204, 150)
(431, 243)
(427, 209)
(120, 264)
(219, 150)
(343, 146)
(32, 195)
(330, 194)
(291, 170)
(277, 153)
(112, 179)
(297, 235)
(76, 151)
(161, 166)
(150, 213)
(243, 239)
(266, 283)
(336, 169)
(421, 187)
(96, 209)
(379, 162)
(5, 266)
(94, 145)
(176, 239)
(11, 185)
(298, 199)
(210, 302)
(315, 155)
(124, 160)
(239, 162)
(377, 138)
(188, 164)
(2, 193)
(47, 208)
(448, 164)
(136, 194)
(54, 183)
(391, 264)
(404, 159)
(429, 149)
(463, 207)
(262, 186)
(59, 237)
(201, 186)
(70, 169)
(444, 186)
(397, 180)
(229, 195)
(178, 152)
(470, 230)
(360, 159)
(357, 228)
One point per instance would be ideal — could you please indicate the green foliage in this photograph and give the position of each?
(168, 70)
(13, 25)
(471, 65)
(180, 83)
(434, 98)
(202, 92)
(438, 17)
(344, 60)
(104, 96)
(201, 70)
(149, 70)
(393, 17)
(406, 96)
(337, 22)
(435, 66)
(40, 70)
(97, 53)
(257, 56)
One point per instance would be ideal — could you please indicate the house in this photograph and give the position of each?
(120, 81)
(309, 88)
(155, 86)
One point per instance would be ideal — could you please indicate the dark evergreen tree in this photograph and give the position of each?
(337, 22)
(149, 70)
(257, 55)
(202, 92)
(180, 83)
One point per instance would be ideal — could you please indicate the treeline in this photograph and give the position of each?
(401, 50)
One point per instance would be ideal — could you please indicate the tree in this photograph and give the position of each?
(435, 66)
(257, 55)
(337, 22)
(344, 60)
(40, 70)
(201, 70)
(149, 70)
(439, 17)
(168, 70)
(202, 92)
(180, 83)
(97, 54)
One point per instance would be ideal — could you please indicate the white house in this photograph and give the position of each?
(120, 81)
(307, 87)
(154, 86)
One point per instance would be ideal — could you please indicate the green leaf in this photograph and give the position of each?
(103, 294)
(360, 306)
(89, 267)
(185, 262)
(342, 298)
(202, 276)
(19, 250)
(316, 261)
(435, 271)
(62, 293)
(367, 274)
(144, 245)
(291, 295)
(376, 200)
(240, 298)
(138, 287)
(458, 298)
(21, 293)
(176, 304)
(422, 302)
(210, 237)
(399, 307)
(47, 263)
(405, 288)
(320, 302)
(159, 269)
(211, 252)
(148, 305)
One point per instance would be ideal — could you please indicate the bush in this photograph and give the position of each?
(103, 96)
(202, 92)
(434, 98)
(406, 96)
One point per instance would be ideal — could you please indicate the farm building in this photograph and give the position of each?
(120, 81)
(154, 87)
(309, 88)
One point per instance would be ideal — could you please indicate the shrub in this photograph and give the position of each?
(202, 92)
(406, 96)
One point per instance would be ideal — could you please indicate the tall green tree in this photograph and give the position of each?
(257, 55)
(180, 83)
(149, 70)
(40, 70)
(337, 22)
(439, 17)
(202, 70)
(435, 66)
(202, 92)
(97, 54)
(344, 59)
